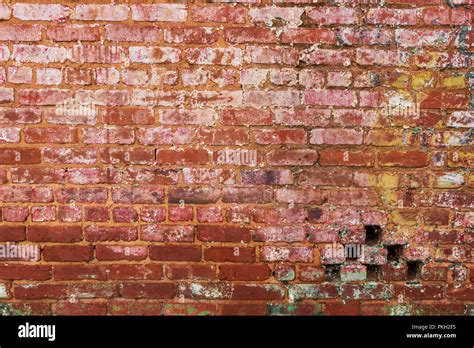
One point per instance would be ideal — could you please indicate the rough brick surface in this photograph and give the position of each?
(237, 157)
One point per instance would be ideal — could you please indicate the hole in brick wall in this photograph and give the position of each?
(333, 272)
(394, 252)
(414, 269)
(372, 234)
(374, 272)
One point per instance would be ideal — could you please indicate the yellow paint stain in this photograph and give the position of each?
(385, 184)
(385, 137)
(403, 81)
(456, 81)
(422, 80)
(388, 197)
(461, 159)
(404, 218)
(388, 180)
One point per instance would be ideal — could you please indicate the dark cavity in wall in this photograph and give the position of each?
(373, 234)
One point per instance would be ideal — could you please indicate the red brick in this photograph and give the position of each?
(83, 308)
(120, 252)
(68, 253)
(403, 159)
(175, 253)
(229, 254)
(309, 36)
(346, 158)
(249, 35)
(217, 233)
(30, 272)
(50, 135)
(12, 233)
(292, 157)
(244, 272)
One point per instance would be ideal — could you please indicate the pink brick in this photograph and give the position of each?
(108, 136)
(218, 13)
(383, 58)
(328, 57)
(334, 15)
(209, 214)
(339, 78)
(6, 95)
(9, 135)
(48, 76)
(97, 54)
(4, 53)
(167, 233)
(101, 12)
(43, 213)
(336, 136)
(134, 33)
(164, 135)
(43, 96)
(70, 213)
(159, 12)
(328, 97)
(156, 214)
(290, 15)
(152, 55)
(214, 56)
(270, 98)
(15, 213)
(20, 32)
(179, 213)
(38, 12)
(191, 35)
(272, 55)
(290, 254)
(389, 16)
(73, 32)
(134, 77)
(5, 12)
(20, 75)
(40, 54)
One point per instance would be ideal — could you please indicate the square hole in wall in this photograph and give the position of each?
(373, 235)
(333, 273)
(374, 272)
(394, 252)
(414, 269)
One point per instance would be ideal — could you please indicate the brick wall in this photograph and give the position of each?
(236, 157)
